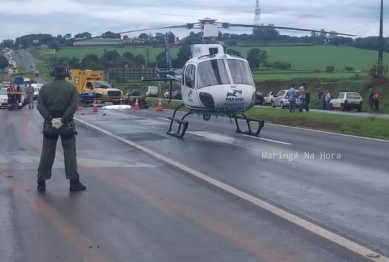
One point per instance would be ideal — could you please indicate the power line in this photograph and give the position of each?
(320, 10)
(347, 31)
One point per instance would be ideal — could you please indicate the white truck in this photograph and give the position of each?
(152, 91)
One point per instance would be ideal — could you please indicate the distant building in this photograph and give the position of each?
(98, 41)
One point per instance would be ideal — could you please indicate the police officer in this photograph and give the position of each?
(57, 103)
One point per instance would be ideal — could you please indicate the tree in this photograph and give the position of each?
(171, 37)
(256, 57)
(140, 60)
(233, 52)
(53, 45)
(3, 62)
(129, 56)
(161, 60)
(7, 43)
(268, 33)
(110, 34)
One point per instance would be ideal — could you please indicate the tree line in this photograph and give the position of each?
(112, 59)
(268, 35)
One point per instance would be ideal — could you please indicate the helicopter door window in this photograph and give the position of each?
(190, 73)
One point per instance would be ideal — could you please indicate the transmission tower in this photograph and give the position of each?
(257, 16)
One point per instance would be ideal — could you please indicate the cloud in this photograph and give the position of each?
(99, 16)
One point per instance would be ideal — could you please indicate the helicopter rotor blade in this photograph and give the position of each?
(286, 28)
(138, 30)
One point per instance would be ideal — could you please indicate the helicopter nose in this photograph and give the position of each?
(207, 100)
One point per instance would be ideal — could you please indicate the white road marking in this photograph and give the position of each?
(319, 131)
(269, 140)
(163, 118)
(363, 251)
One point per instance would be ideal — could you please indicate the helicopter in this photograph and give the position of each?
(212, 82)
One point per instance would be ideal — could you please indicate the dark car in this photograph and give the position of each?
(259, 99)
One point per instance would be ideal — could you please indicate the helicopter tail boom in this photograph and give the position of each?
(169, 73)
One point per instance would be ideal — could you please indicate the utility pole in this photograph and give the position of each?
(381, 41)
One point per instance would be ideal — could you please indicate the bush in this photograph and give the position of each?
(349, 68)
(282, 65)
(330, 69)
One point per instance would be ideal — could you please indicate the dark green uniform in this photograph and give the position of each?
(58, 99)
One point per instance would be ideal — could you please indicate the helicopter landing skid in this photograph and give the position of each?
(181, 123)
(248, 121)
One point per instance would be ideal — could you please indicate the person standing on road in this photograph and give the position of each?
(292, 98)
(30, 96)
(18, 95)
(371, 101)
(302, 97)
(321, 95)
(376, 98)
(327, 99)
(57, 103)
(307, 98)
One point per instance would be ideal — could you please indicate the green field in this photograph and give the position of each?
(301, 57)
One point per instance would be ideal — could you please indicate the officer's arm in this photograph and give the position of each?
(42, 105)
(71, 110)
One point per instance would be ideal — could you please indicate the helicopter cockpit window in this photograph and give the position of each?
(240, 72)
(212, 72)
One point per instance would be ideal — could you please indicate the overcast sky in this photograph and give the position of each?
(21, 17)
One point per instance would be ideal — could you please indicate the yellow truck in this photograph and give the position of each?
(91, 85)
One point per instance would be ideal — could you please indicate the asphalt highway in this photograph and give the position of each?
(28, 62)
(153, 197)
(139, 208)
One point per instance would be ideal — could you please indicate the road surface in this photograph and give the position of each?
(336, 112)
(209, 197)
(142, 208)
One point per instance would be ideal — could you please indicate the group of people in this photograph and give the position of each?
(304, 97)
(15, 93)
(324, 99)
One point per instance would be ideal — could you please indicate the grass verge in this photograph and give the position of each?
(367, 127)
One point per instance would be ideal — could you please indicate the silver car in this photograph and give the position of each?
(280, 99)
(3, 98)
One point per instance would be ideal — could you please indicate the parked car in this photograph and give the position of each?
(259, 98)
(280, 99)
(3, 98)
(346, 101)
(269, 98)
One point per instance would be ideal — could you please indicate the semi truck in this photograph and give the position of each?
(91, 86)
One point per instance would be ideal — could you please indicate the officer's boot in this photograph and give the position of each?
(75, 185)
(41, 185)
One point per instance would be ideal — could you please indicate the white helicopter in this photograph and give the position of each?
(213, 83)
